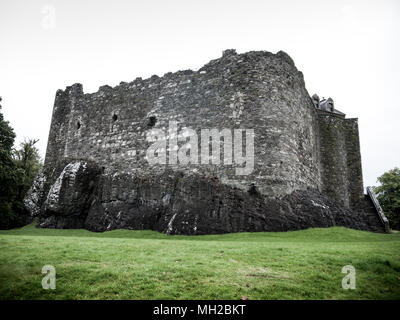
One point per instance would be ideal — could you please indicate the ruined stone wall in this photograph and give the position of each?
(256, 90)
(340, 159)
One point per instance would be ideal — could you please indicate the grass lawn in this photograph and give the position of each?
(125, 264)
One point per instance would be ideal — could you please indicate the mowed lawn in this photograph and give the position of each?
(124, 264)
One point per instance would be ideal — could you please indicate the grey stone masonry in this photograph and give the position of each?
(257, 90)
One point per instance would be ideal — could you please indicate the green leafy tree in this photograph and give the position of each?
(388, 194)
(27, 159)
(18, 169)
(10, 174)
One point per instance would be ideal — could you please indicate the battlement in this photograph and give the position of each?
(229, 56)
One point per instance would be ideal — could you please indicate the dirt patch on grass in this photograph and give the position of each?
(262, 272)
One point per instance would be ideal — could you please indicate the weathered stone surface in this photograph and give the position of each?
(176, 203)
(307, 163)
(70, 196)
(255, 90)
(35, 195)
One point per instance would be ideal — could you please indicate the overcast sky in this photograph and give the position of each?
(347, 50)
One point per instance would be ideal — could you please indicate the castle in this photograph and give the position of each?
(305, 171)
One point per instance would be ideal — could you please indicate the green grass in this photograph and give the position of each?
(125, 264)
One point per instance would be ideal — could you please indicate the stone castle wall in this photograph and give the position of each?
(257, 90)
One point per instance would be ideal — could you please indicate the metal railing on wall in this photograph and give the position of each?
(381, 214)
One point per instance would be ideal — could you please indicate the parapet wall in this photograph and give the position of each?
(256, 90)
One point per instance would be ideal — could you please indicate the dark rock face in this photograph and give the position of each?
(69, 198)
(179, 204)
(35, 195)
(176, 203)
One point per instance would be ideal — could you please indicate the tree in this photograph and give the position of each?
(27, 159)
(10, 174)
(388, 194)
(18, 169)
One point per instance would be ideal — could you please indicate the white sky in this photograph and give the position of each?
(347, 50)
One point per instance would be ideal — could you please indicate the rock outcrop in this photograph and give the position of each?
(175, 203)
(68, 199)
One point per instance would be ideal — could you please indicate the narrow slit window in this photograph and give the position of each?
(152, 122)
